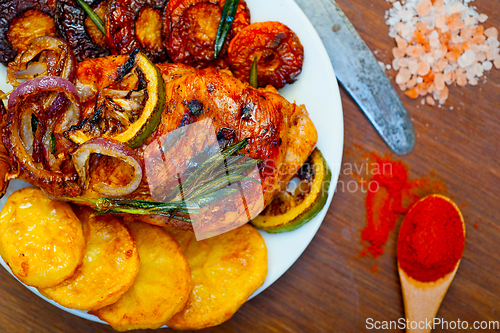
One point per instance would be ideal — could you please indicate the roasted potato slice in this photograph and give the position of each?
(225, 270)
(190, 28)
(41, 240)
(280, 55)
(161, 287)
(21, 21)
(109, 267)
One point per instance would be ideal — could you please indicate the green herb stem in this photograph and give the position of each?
(93, 16)
(226, 20)
(254, 76)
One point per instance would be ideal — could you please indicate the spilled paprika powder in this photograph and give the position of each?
(431, 240)
(390, 195)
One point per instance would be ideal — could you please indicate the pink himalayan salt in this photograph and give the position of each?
(424, 8)
(402, 44)
(398, 53)
(423, 68)
(418, 54)
(430, 100)
(411, 83)
(491, 32)
(496, 62)
(403, 76)
(439, 81)
(482, 18)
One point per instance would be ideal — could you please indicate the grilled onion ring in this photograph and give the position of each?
(190, 28)
(135, 24)
(59, 60)
(4, 159)
(70, 18)
(108, 147)
(54, 182)
(279, 53)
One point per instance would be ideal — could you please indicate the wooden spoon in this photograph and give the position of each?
(423, 299)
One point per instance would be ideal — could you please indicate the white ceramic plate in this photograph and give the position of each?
(317, 89)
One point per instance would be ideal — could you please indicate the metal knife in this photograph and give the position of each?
(360, 74)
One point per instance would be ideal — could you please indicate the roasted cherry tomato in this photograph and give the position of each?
(73, 24)
(279, 53)
(135, 24)
(21, 21)
(190, 29)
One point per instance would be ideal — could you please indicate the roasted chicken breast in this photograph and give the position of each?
(279, 133)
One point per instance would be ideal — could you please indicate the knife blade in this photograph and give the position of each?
(360, 74)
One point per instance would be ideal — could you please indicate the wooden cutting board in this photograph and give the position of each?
(330, 288)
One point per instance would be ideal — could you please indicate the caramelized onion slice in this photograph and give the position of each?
(43, 84)
(53, 53)
(112, 148)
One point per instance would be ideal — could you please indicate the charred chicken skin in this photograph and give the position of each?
(279, 133)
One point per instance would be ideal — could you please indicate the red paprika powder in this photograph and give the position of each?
(431, 240)
(390, 195)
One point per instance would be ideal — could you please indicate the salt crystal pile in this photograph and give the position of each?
(440, 42)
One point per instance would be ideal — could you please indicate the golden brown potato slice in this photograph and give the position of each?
(109, 267)
(161, 287)
(225, 271)
(41, 240)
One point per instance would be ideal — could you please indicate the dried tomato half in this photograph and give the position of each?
(135, 24)
(21, 21)
(279, 53)
(82, 35)
(190, 29)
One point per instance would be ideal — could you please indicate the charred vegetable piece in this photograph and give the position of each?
(129, 110)
(95, 32)
(278, 50)
(191, 28)
(111, 148)
(290, 210)
(136, 24)
(4, 159)
(22, 21)
(19, 138)
(45, 56)
(81, 34)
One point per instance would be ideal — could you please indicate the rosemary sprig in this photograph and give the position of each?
(105, 205)
(206, 184)
(254, 77)
(203, 172)
(226, 20)
(93, 16)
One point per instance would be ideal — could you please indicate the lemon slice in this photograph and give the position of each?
(126, 116)
(292, 208)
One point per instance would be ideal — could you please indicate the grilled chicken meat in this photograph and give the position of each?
(280, 133)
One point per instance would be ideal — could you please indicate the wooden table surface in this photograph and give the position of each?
(330, 289)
